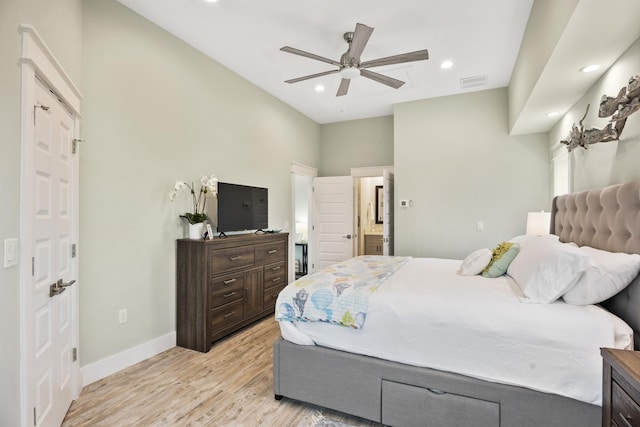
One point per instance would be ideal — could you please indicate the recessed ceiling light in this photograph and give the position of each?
(319, 88)
(446, 64)
(552, 114)
(211, 1)
(589, 68)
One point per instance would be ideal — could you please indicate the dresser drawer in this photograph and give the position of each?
(407, 405)
(270, 296)
(224, 289)
(274, 275)
(229, 259)
(267, 253)
(226, 315)
(624, 410)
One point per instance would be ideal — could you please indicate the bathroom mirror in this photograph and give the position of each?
(379, 202)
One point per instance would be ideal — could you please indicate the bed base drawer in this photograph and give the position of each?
(407, 405)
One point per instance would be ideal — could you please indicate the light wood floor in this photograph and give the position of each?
(231, 385)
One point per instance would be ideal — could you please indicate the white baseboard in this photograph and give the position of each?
(109, 365)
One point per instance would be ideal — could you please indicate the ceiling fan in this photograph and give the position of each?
(350, 66)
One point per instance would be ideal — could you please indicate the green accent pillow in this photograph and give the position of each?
(501, 257)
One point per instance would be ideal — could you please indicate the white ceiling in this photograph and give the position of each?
(481, 38)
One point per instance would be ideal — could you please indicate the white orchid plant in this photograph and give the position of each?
(208, 185)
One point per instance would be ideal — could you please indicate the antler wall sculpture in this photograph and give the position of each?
(619, 108)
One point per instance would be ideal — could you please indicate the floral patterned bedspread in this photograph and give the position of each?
(338, 294)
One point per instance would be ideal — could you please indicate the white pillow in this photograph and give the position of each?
(475, 262)
(525, 238)
(546, 269)
(605, 276)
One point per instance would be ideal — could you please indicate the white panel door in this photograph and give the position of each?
(50, 325)
(333, 219)
(387, 213)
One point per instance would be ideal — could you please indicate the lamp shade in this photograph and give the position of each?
(302, 231)
(538, 223)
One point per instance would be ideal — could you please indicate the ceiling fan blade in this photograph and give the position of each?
(344, 87)
(385, 80)
(360, 39)
(309, 55)
(311, 76)
(418, 55)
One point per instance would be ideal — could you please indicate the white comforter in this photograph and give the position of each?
(428, 315)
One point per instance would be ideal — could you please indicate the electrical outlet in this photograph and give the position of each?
(122, 316)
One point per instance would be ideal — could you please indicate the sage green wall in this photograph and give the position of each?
(610, 162)
(157, 111)
(60, 24)
(355, 143)
(455, 160)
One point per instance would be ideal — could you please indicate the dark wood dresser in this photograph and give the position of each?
(620, 388)
(227, 283)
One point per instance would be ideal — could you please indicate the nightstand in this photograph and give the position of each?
(620, 388)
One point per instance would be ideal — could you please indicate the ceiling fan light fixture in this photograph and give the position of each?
(349, 72)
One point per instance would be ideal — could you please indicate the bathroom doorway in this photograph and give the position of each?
(374, 210)
(370, 231)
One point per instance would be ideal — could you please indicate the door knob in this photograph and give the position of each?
(348, 236)
(59, 287)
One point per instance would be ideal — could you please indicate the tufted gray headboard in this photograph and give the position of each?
(607, 219)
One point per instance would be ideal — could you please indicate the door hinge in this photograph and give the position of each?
(73, 250)
(74, 145)
(34, 416)
(43, 107)
(33, 266)
(74, 354)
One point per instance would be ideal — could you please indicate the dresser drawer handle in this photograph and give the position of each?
(436, 391)
(275, 268)
(230, 281)
(272, 251)
(228, 295)
(230, 314)
(628, 419)
(277, 279)
(235, 258)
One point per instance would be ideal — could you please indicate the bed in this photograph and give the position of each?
(401, 392)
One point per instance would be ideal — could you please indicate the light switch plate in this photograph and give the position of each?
(10, 252)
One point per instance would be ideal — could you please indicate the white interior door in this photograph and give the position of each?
(333, 218)
(50, 195)
(387, 213)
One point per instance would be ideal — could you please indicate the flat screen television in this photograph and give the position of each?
(242, 207)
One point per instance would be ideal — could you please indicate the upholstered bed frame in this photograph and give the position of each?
(396, 394)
